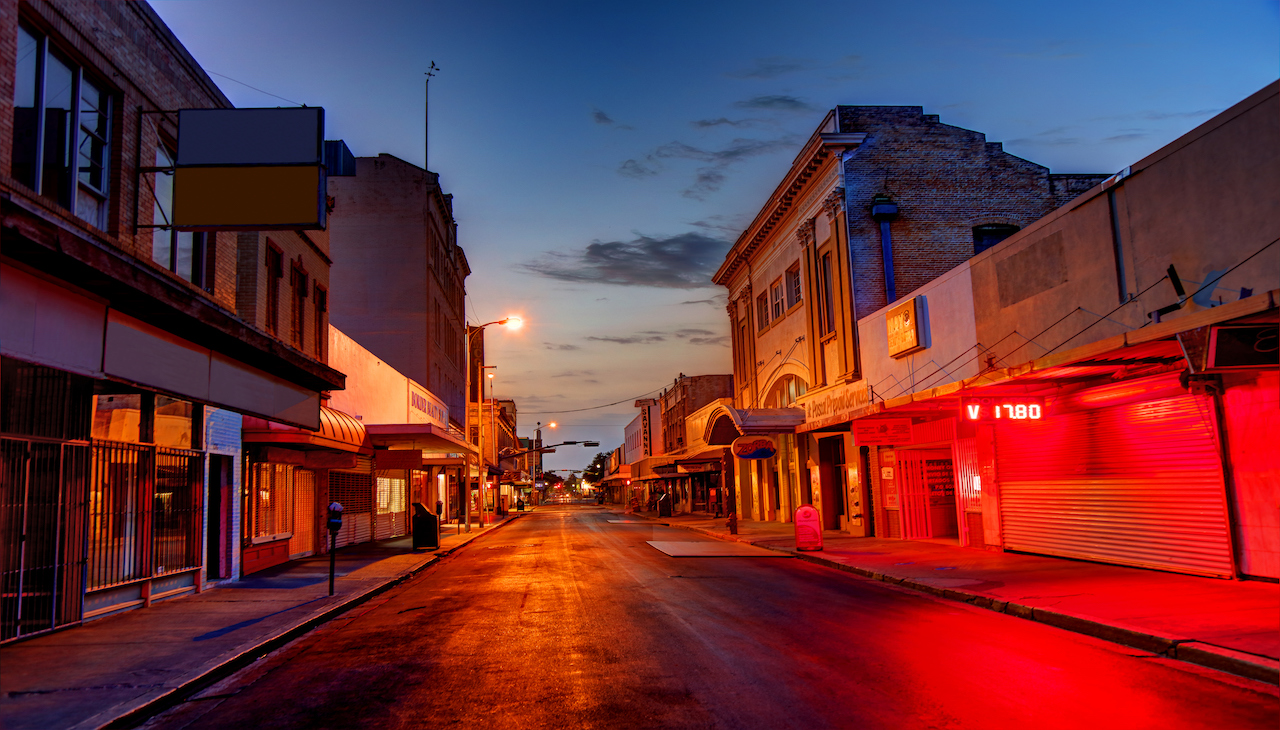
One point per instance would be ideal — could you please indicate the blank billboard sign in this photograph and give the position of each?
(250, 169)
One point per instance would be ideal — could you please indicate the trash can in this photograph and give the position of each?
(426, 527)
(664, 505)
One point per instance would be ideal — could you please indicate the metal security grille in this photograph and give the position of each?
(177, 511)
(42, 488)
(390, 520)
(144, 512)
(354, 491)
(119, 494)
(303, 542)
(1138, 484)
(271, 511)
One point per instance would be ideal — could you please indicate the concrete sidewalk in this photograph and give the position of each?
(1232, 626)
(120, 670)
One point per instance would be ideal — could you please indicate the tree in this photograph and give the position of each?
(597, 469)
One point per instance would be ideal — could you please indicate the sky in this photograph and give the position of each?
(603, 156)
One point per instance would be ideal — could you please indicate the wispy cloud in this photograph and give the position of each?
(691, 336)
(640, 339)
(684, 261)
(565, 347)
(775, 102)
(574, 374)
(722, 122)
(600, 117)
(714, 173)
(771, 67)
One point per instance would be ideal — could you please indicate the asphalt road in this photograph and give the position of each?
(562, 620)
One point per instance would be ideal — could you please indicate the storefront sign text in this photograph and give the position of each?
(754, 447)
(1002, 408)
(882, 431)
(905, 329)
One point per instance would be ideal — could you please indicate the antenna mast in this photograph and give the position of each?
(426, 121)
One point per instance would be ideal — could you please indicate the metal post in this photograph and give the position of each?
(333, 558)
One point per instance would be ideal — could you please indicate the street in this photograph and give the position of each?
(563, 619)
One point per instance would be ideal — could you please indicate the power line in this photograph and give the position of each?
(594, 408)
(262, 91)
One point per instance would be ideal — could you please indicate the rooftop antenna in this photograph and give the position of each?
(426, 122)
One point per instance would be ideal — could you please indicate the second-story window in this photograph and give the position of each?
(762, 311)
(298, 281)
(275, 272)
(826, 306)
(184, 253)
(321, 302)
(793, 286)
(775, 292)
(61, 135)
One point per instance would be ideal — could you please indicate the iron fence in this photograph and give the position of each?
(42, 534)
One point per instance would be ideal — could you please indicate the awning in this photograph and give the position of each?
(1150, 350)
(338, 431)
(709, 459)
(425, 437)
(761, 421)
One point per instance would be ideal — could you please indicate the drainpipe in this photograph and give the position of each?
(884, 210)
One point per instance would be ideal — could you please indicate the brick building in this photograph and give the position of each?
(400, 273)
(878, 202)
(129, 349)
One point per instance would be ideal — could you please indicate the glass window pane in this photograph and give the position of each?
(116, 417)
(56, 178)
(162, 239)
(186, 254)
(173, 422)
(25, 114)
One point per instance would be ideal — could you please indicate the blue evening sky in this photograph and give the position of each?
(653, 132)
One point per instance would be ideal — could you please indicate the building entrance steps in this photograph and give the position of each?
(1227, 625)
(119, 670)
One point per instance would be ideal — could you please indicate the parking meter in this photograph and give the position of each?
(335, 524)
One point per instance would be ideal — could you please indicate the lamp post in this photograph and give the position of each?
(537, 454)
(510, 322)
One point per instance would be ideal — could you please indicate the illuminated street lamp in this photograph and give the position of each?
(511, 322)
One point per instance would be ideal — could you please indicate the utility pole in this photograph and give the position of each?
(426, 121)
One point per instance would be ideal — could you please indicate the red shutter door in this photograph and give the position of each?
(354, 491)
(1138, 484)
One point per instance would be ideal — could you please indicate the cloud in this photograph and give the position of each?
(632, 168)
(1056, 137)
(640, 339)
(683, 261)
(700, 301)
(688, 332)
(775, 102)
(722, 122)
(1127, 137)
(713, 174)
(560, 347)
(603, 119)
(722, 340)
(771, 67)
(574, 374)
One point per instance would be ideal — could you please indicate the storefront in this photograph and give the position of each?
(292, 476)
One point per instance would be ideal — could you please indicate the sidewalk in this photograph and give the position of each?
(120, 670)
(1232, 626)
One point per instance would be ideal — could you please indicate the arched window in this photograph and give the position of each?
(785, 391)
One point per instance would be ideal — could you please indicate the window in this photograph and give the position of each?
(182, 252)
(986, 236)
(275, 272)
(321, 301)
(793, 286)
(61, 118)
(826, 307)
(298, 281)
(775, 292)
(762, 311)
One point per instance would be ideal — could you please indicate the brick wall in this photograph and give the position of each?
(945, 180)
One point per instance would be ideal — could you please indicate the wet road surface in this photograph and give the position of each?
(563, 620)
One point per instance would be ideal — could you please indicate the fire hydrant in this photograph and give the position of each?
(732, 523)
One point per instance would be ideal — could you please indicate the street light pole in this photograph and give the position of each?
(511, 322)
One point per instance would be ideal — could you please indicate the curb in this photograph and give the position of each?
(182, 692)
(1239, 663)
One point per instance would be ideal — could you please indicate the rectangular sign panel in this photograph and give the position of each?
(905, 330)
(248, 198)
(882, 431)
(1002, 408)
(1244, 346)
(222, 137)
